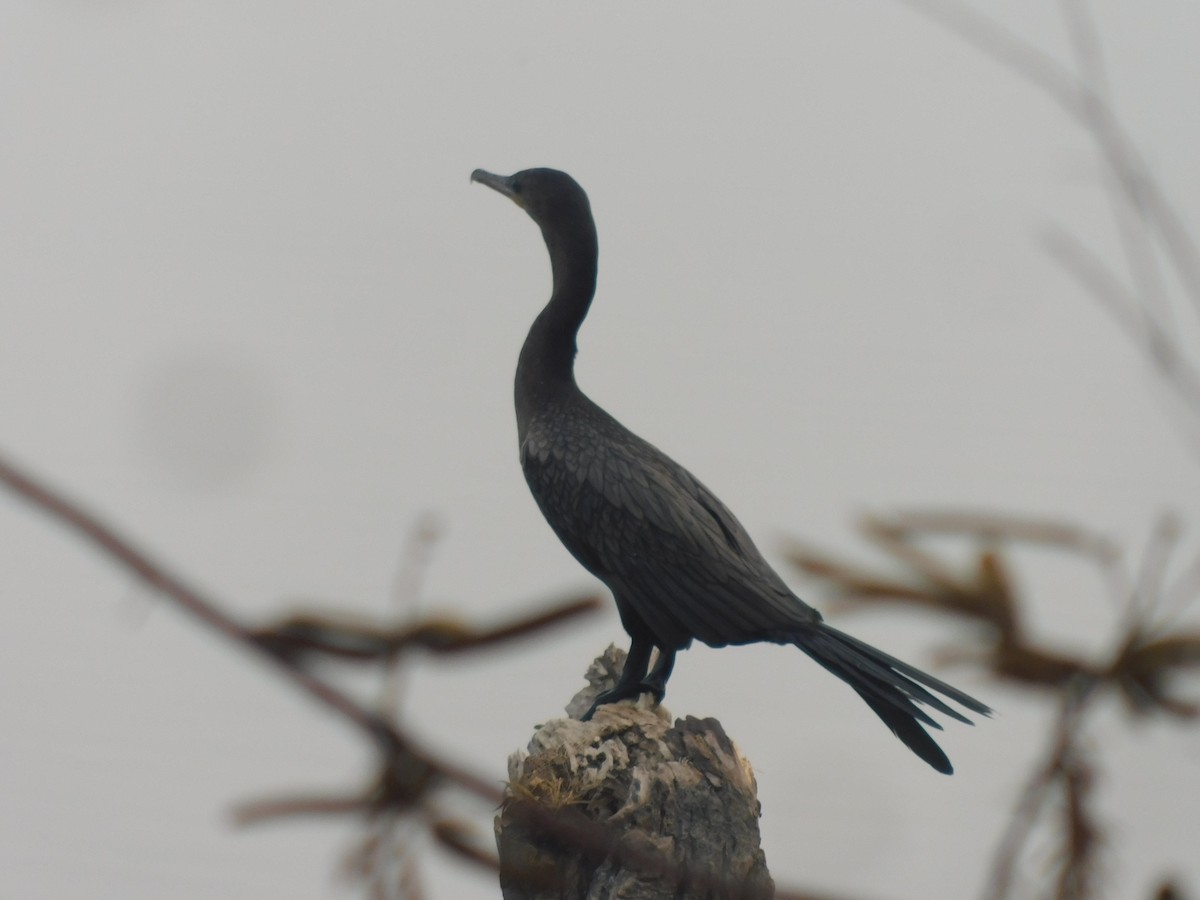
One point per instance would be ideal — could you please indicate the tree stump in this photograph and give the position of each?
(629, 805)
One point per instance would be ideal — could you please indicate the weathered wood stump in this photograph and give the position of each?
(629, 805)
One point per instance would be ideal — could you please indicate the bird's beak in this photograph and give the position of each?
(500, 183)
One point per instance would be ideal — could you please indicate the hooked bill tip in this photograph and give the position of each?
(500, 183)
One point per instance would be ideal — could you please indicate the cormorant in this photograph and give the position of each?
(679, 564)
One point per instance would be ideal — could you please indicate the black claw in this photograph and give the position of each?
(653, 687)
(624, 692)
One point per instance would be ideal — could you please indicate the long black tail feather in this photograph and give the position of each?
(891, 688)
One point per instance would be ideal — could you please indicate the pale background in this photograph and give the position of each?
(253, 310)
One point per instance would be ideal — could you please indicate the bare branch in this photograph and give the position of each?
(1086, 101)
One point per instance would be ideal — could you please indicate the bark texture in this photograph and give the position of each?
(630, 805)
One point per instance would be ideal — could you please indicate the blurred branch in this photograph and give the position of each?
(1085, 102)
(1169, 890)
(1003, 46)
(413, 770)
(317, 634)
(1067, 773)
(1145, 660)
(407, 774)
(997, 526)
(402, 791)
(1126, 308)
(1146, 219)
(1147, 656)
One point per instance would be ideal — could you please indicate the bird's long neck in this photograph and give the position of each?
(546, 368)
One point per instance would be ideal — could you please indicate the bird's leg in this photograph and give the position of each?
(656, 682)
(631, 683)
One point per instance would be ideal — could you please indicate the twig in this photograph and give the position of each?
(1084, 104)
(1085, 98)
(408, 771)
(1037, 790)
(1127, 212)
(159, 578)
(1145, 332)
(407, 775)
(997, 526)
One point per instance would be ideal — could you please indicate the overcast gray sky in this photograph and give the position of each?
(255, 313)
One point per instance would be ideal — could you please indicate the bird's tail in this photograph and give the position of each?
(893, 689)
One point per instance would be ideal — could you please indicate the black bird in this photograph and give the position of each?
(679, 564)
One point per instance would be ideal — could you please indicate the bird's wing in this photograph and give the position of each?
(666, 546)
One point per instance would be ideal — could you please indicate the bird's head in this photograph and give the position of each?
(552, 198)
